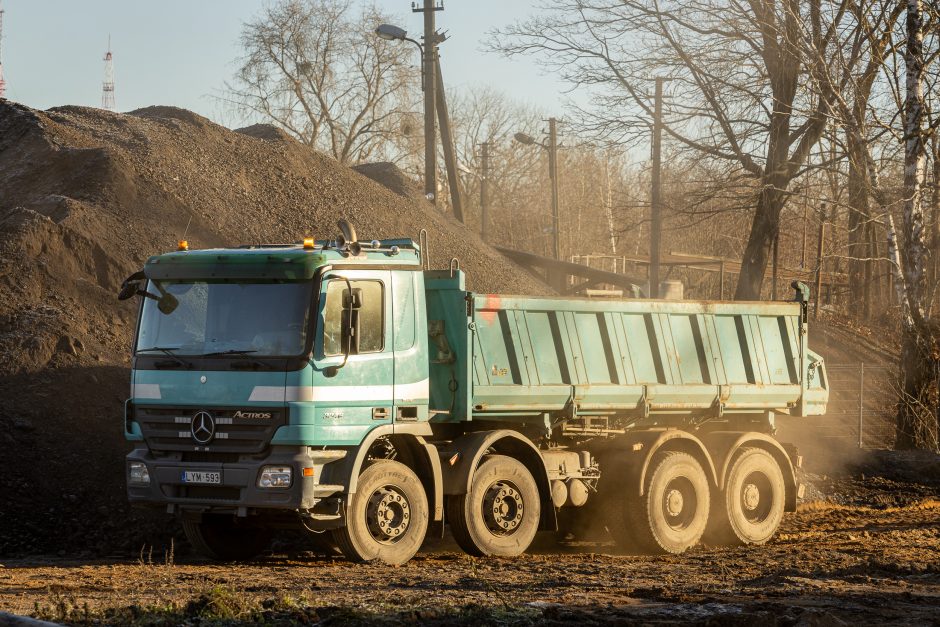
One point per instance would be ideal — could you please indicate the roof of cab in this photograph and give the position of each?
(289, 262)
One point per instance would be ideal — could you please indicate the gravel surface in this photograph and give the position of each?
(830, 565)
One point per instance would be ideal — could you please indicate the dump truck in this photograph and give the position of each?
(345, 388)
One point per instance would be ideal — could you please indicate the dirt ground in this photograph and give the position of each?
(86, 196)
(862, 562)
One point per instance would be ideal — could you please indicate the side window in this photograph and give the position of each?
(371, 316)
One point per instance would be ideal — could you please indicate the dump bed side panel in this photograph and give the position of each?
(533, 355)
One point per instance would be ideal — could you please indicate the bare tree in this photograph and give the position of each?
(315, 68)
(920, 346)
(743, 76)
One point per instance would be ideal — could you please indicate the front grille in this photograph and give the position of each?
(212, 458)
(167, 429)
(204, 493)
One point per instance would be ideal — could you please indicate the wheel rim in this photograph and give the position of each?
(388, 515)
(679, 503)
(503, 508)
(756, 497)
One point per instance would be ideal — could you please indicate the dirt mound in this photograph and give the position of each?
(265, 131)
(390, 176)
(85, 197)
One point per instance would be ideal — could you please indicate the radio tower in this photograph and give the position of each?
(107, 88)
(3, 84)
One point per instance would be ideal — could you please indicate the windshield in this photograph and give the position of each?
(260, 319)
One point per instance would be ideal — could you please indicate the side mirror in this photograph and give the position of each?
(352, 299)
(131, 286)
(349, 325)
(352, 303)
(167, 303)
(128, 290)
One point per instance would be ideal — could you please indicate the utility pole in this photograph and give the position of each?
(430, 98)
(656, 215)
(819, 263)
(484, 188)
(553, 175)
(447, 141)
(773, 285)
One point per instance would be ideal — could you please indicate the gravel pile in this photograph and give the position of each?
(85, 197)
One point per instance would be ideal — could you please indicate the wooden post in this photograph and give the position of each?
(721, 281)
(484, 188)
(861, 402)
(656, 215)
(805, 231)
(773, 285)
(553, 173)
(430, 99)
(447, 143)
(819, 261)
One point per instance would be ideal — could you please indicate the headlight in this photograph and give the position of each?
(275, 477)
(138, 474)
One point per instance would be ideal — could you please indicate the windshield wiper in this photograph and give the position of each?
(168, 351)
(240, 353)
(229, 352)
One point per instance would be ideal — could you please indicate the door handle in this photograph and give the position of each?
(380, 413)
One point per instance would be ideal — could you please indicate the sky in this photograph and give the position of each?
(180, 52)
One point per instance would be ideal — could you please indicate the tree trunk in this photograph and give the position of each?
(920, 352)
(764, 229)
(934, 224)
(859, 215)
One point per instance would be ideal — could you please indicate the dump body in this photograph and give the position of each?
(650, 361)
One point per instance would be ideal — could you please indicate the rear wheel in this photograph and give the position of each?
(750, 509)
(672, 513)
(222, 538)
(500, 514)
(387, 517)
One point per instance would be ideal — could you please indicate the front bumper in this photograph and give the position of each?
(238, 492)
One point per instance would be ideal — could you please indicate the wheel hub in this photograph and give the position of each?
(751, 496)
(674, 502)
(502, 508)
(388, 515)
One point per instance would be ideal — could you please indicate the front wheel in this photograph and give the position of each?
(750, 509)
(500, 514)
(221, 538)
(387, 516)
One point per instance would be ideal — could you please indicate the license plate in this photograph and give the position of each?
(200, 476)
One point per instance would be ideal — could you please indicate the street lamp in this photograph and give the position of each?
(552, 148)
(390, 32)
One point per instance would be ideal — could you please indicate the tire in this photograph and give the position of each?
(500, 514)
(221, 538)
(672, 513)
(387, 516)
(750, 509)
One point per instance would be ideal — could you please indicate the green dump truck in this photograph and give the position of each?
(347, 389)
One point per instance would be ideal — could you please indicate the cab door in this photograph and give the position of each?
(353, 355)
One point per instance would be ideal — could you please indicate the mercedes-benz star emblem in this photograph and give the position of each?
(203, 427)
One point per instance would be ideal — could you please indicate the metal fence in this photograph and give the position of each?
(862, 401)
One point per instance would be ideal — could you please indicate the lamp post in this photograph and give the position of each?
(435, 103)
(391, 32)
(552, 148)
